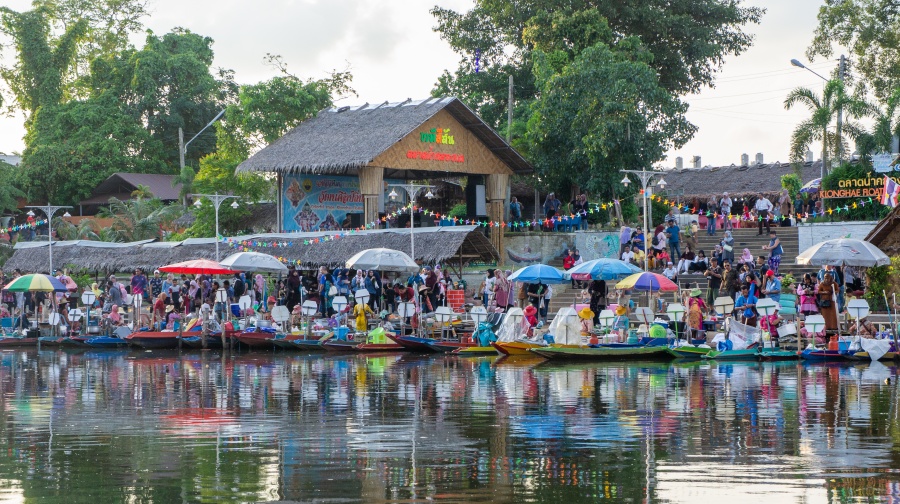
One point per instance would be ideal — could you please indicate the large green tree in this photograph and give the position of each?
(688, 40)
(870, 30)
(601, 107)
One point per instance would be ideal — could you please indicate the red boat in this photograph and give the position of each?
(13, 342)
(256, 339)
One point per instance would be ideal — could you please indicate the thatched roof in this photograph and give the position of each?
(433, 245)
(338, 141)
(886, 234)
(739, 181)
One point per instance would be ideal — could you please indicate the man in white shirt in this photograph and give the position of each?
(628, 256)
(763, 208)
(670, 272)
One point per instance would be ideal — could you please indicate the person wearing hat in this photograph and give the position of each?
(155, 283)
(620, 321)
(587, 321)
(530, 317)
(773, 287)
(696, 309)
(425, 299)
(670, 272)
(745, 306)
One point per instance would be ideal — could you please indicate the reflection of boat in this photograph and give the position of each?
(153, 339)
(819, 354)
(731, 355)
(106, 342)
(378, 340)
(606, 353)
(256, 339)
(212, 341)
(776, 354)
(475, 350)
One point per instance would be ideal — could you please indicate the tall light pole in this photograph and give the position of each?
(840, 118)
(217, 200)
(412, 190)
(49, 210)
(182, 145)
(645, 177)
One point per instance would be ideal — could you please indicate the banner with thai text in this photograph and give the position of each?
(322, 203)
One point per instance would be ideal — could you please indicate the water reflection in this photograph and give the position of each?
(205, 427)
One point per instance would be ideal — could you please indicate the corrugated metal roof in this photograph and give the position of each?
(119, 184)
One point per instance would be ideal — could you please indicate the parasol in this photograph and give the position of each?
(198, 267)
(383, 259)
(538, 273)
(254, 261)
(844, 252)
(645, 281)
(602, 269)
(35, 283)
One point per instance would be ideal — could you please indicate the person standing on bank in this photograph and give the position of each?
(775, 251)
(711, 212)
(515, 209)
(763, 209)
(714, 279)
(725, 209)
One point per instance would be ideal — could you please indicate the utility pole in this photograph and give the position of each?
(181, 149)
(840, 113)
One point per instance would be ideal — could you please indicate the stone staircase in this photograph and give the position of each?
(748, 238)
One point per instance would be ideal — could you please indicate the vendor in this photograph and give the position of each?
(587, 321)
(360, 311)
(865, 328)
(621, 319)
(745, 306)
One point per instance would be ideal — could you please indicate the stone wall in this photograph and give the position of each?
(531, 248)
(811, 234)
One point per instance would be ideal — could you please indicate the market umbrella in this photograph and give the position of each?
(198, 267)
(602, 269)
(844, 252)
(35, 283)
(538, 273)
(254, 261)
(652, 282)
(383, 259)
(811, 186)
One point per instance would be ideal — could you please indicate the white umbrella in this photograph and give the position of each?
(254, 261)
(844, 252)
(383, 259)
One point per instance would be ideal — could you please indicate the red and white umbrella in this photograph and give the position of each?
(198, 267)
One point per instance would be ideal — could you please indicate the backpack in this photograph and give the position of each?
(238, 288)
(655, 240)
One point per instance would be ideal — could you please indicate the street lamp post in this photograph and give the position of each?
(840, 118)
(217, 200)
(645, 177)
(49, 210)
(412, 190)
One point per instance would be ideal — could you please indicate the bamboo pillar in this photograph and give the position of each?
(495, 190)
(371, 186)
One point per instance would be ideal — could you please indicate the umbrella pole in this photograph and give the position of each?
(890, 318)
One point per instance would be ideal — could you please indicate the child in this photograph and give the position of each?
(530, 318)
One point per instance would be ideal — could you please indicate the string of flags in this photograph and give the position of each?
(22, 227)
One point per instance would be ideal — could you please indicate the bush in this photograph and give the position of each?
(459, 211)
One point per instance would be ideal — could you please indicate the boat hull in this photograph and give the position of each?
(153, 340)
(12, 342)
(379, 347)
(413, 343)
(732, 355)
(212, 341)
(516, 347)
(777, 355)
(334, 345)
(604, 353)
(823, 355)
(261, 340)
(106, 342)
(886, 357)
(475, 350)
(690, 352)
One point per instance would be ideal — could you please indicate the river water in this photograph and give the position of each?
(154, 427)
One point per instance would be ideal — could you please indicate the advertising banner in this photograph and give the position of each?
(321, 202)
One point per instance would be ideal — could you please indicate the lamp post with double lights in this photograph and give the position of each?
(217, 200)
(645, 177)
(49, 210)
(412, 190)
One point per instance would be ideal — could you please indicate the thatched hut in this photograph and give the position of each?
(341, 162)
(739, 181)
(452, 245)
(886, 234)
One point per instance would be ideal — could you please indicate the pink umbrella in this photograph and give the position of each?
(198, 267)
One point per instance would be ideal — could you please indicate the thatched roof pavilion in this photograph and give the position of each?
(338, 164)
(449, 245)
(738, 181)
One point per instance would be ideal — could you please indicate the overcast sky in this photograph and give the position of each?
(393, 54)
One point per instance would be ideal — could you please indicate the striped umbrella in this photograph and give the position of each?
(35, 283)
(645, 281)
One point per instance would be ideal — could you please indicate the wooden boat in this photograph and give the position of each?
(51, 341)
(412, 342)
(777, 354)
(448, 346)
(153, 339)
(518, 347)
(473, 351)
(691, 352)
(820, 354)
(106, 342)
(17, 341)
(378, 340)
(732, 355)
(338, 345)
(256, 339)
(605, 353)
(74, 341)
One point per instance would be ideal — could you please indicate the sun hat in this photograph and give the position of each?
(586, 313)
(530, 310)
(620, 310)
(696, 292)
(169, 308)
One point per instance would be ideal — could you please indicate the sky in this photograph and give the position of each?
(394, 54)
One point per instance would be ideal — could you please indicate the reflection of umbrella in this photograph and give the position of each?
(811, 186)
(602, 269)
(198, 267)
(538, 273)
(254, 261)
(383, 259)
(844, 252)
(35, 283)
(652, 282)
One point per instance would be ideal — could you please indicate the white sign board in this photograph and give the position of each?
(884, 163)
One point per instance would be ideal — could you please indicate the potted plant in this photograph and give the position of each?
(787, 283)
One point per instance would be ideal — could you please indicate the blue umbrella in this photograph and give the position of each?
(811, 186)
(538, 273)
(602, 269)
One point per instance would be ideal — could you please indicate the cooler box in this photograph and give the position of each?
(340, 333)
(235, 310)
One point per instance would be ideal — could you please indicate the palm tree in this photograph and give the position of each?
(142, 192)
(887, 123)
(140, 219)
(823, 110)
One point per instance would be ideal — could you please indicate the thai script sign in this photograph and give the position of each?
(886, 163)
(437, 136)
(320, 203)
(870, 186)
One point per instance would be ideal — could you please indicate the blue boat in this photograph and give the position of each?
(106, 342)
